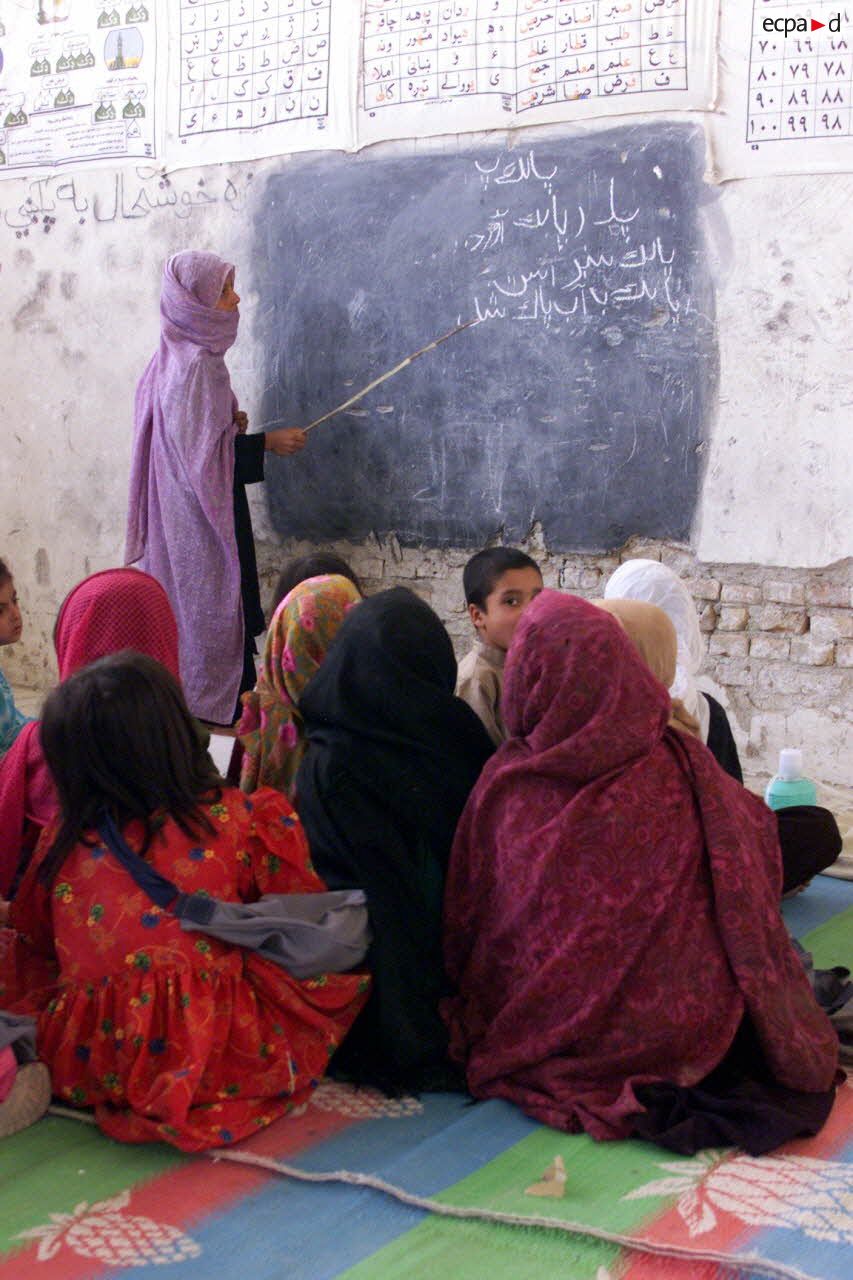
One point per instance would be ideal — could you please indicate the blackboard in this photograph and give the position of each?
(582, 398)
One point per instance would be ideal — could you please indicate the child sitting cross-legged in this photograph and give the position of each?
(168, 1034)
(499, 584)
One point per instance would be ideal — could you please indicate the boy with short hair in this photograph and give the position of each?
(499, 583)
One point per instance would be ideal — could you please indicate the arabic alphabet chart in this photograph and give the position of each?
(79, 83)
(257, 77)
(480, 64)
(788, 99)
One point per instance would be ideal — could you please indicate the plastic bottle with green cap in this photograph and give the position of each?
(788, 787)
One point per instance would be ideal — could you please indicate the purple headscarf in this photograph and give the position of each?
(180, 523)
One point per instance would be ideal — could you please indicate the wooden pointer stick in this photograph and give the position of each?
(359, 395)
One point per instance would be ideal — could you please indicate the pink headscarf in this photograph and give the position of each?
(110, 611)
(612, 901)
(180, 524)
(114, 610)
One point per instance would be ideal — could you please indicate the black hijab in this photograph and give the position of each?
(391, 758)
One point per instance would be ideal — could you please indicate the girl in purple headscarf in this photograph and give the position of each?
(188, 518)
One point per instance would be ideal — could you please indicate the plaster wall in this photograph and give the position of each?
(80, 262)
(778, 487)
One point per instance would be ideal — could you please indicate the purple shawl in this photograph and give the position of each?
(180, 522)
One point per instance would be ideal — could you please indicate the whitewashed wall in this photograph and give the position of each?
(79, 282)
(779, 484)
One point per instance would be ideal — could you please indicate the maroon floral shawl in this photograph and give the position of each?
(612, 902)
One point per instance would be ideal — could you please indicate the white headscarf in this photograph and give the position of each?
(657, 584)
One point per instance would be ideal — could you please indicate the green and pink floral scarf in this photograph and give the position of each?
(302, 628)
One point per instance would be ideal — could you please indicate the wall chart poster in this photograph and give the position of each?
(78, 83)
(254, 78)
(188, 82)
(458, 65)
(786, 95)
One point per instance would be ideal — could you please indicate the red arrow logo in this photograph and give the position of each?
(816, 24)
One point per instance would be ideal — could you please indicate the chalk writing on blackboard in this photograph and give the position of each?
(566, 279)
(800, 85)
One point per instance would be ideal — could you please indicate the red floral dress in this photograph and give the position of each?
(173, 1035)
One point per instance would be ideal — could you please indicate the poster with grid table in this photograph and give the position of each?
(461, 65)
(787, 101)
(260, 77)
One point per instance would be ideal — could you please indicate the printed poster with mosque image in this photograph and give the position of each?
(78, 83)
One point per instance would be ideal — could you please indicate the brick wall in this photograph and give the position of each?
(779, 641)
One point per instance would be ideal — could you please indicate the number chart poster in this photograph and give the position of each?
(786, 89)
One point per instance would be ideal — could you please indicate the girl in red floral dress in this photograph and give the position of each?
(168, 1034)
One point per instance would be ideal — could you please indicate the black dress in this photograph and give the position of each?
(392, 755)
(248, 469)
(808, 835)
(721, 741)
